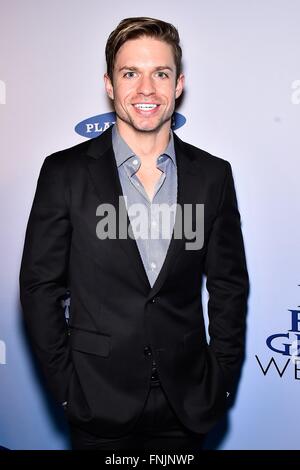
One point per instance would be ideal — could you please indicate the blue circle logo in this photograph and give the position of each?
(94, 126)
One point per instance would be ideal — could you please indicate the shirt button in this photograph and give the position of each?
(153, 265)
(135, 161)
(154, 223)
(147, 351)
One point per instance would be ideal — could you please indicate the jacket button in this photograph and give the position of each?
(154, 300)
(147, 351)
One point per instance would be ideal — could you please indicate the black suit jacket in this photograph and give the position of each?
(101, 364)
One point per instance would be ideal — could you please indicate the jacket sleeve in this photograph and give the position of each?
(44, 275)
(227, 284)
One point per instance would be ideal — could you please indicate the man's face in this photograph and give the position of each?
(144, 85)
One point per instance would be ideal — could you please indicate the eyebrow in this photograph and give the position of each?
(132, 68)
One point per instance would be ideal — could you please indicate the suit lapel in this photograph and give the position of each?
(103, 171)
(104, 174)
(186, 193)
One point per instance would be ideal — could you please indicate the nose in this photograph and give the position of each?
(146, 86)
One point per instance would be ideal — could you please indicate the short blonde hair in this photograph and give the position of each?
(136, 27)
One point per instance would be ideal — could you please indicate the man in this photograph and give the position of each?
(133, 368)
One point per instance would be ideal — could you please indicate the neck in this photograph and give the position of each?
(147, 145)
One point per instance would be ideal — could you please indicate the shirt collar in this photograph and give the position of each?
(122, 150)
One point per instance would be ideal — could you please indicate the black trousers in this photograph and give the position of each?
(158, 428)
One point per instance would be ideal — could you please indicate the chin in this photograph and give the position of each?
(149, 127)
(146, 129)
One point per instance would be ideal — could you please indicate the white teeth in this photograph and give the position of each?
(145, 106)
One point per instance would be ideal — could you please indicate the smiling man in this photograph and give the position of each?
(133, 368)
(144, 85)
(144, 80)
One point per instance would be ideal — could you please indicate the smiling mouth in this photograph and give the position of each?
(145, 106)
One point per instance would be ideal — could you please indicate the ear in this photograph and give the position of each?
(179, 85)
(108, 86)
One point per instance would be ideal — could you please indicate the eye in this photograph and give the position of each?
(129, 74)
(162, 74)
